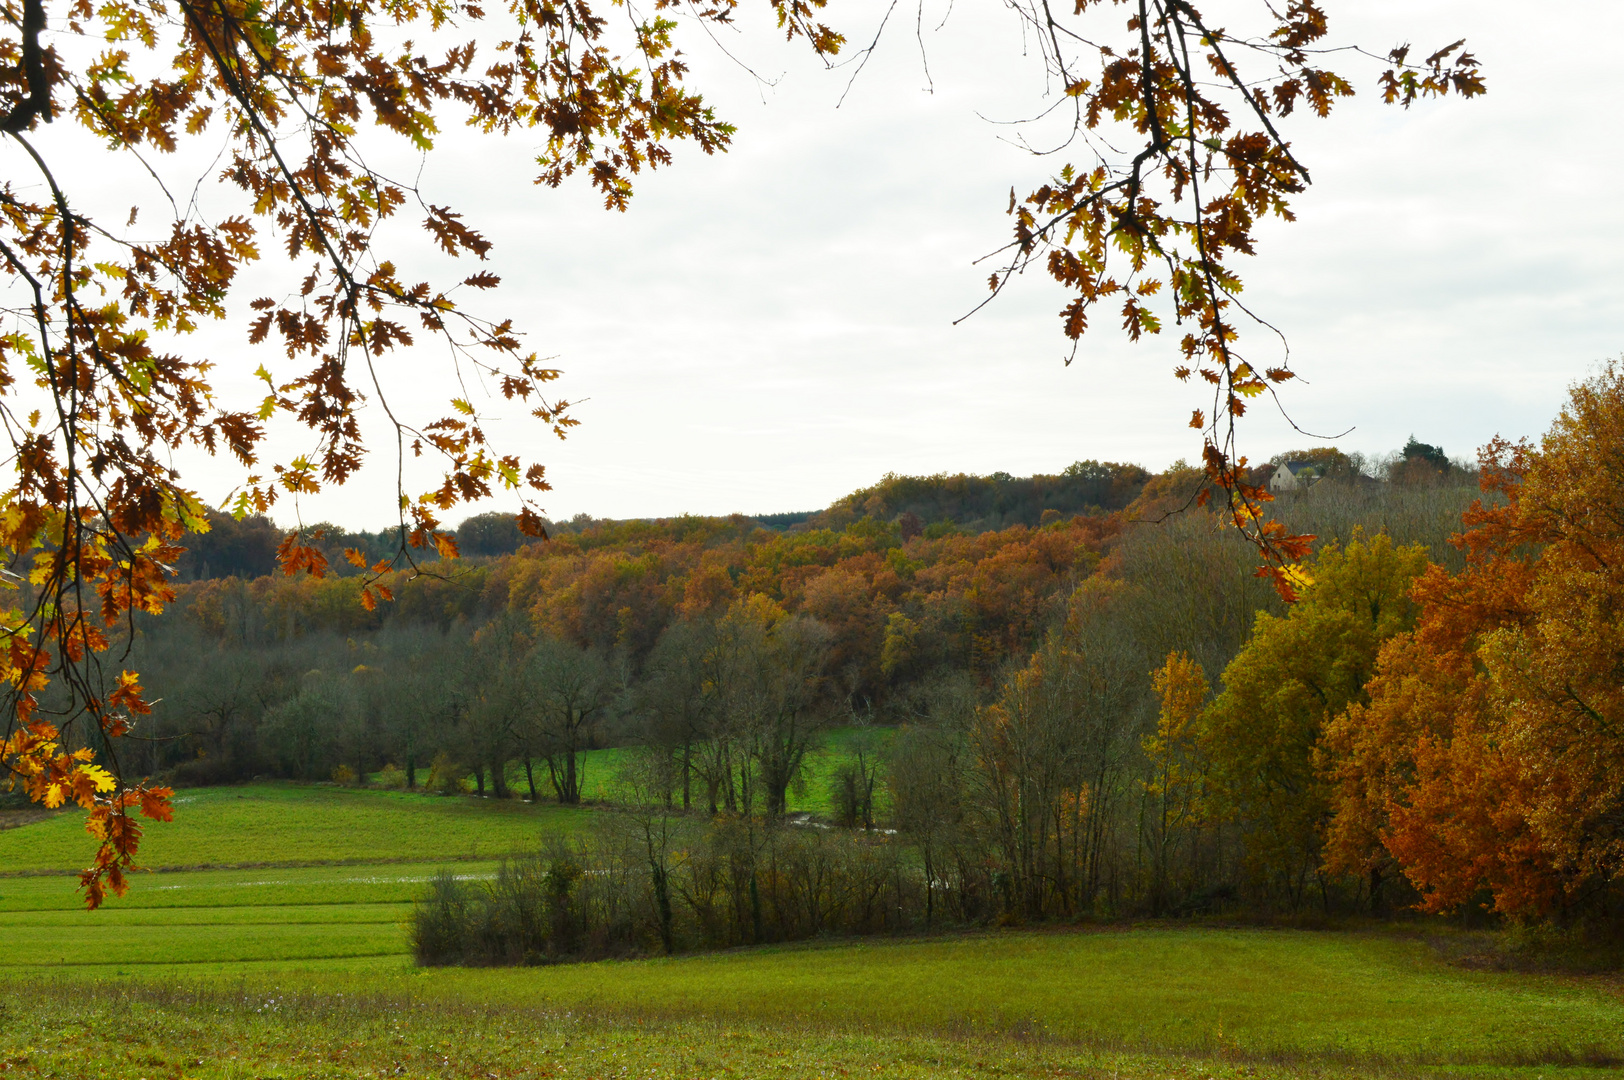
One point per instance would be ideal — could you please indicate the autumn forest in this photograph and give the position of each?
(1057, 696)
(1294, 768)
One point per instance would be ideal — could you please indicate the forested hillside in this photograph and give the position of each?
(1029, 674)
(938, 504)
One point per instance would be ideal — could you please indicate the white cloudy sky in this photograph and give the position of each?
(769, 329)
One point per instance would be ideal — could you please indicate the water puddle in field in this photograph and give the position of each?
(807, 821)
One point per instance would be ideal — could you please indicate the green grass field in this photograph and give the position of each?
(326, 932)
(286, 824)
(300, 876)
(1190, 989)
(135, 1031)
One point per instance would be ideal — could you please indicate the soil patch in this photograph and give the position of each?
(12, 819)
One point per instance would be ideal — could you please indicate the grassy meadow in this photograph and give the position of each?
(259, 877)
(282, 951)
(238, 1034)
(287, 824)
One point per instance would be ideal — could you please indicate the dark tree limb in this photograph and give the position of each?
(38, 101)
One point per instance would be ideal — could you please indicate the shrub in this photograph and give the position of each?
(447, 776)
(343, 775)
(737, 882)
(391, 776)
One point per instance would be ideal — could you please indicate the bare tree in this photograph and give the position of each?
(676, 702)
(574, 691)
(1050, 752)
(499, 698)
(645, 784)
(778, 699)
(926, 775)
(419, 693)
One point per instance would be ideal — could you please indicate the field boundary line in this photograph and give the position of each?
(281, 864)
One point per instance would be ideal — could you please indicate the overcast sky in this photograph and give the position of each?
(769, 329)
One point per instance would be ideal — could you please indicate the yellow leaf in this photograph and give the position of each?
(99, 778)
(1298, 575)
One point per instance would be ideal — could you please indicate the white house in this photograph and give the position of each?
(1292, 476)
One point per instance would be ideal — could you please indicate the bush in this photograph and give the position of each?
(391, 776)
(343, 775)
(542, 909)
(739, 882)
(447, 777)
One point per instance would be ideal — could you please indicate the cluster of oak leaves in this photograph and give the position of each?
(51, 776)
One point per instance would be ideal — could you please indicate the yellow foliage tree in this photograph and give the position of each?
(1262, 733)
(1174, 785)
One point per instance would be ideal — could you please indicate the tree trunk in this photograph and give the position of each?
(687, 773)
(662, 901)
(755, 908)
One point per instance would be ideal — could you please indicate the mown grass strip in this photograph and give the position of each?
(281, 887)
(192, 943)
(244, 915)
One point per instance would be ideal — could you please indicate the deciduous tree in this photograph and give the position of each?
(1174, 784)
(573, 693)
(1262, 733)
(1489, 757)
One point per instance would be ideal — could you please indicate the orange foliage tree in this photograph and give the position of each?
(1488, 760)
